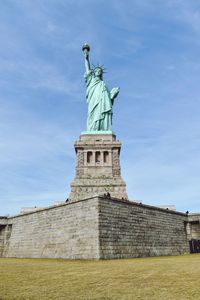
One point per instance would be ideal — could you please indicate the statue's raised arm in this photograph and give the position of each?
(99, 98)
(86, 49)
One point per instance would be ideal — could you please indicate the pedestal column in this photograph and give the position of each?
(98, 168)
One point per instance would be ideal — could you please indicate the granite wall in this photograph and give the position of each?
(193, 228)
(96, 228)
(64, 231)
(134, 230)
(3, 226)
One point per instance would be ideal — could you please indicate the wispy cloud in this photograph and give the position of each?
(151, 50)
(37, 75)
(165, 169)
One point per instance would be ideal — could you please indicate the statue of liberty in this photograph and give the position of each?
(99, 99)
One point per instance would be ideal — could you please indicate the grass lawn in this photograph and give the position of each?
(142, 278)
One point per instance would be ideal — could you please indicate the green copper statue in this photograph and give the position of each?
(99, 99)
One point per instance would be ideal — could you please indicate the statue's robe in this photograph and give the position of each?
(99, 104)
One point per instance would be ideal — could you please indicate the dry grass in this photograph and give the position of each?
(145, 278)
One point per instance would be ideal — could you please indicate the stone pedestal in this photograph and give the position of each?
(98, 168)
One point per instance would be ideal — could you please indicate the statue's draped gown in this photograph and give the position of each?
(99, 104)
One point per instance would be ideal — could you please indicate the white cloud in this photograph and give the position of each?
(151, 51)
(39, 74)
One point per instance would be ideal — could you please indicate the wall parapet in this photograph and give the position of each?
(129, 202)
(3, 220)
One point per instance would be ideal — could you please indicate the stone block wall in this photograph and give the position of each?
(64, 231)
(3, 225)
(96, 228)
(193, 228)
(98, 168)
(132, 230)
(2, 234)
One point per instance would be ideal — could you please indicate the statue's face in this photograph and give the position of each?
(98, 72)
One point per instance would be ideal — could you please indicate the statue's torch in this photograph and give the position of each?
(86, 49)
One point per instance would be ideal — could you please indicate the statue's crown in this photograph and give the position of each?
(99, 67)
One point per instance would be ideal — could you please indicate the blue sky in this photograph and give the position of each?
(150, 49)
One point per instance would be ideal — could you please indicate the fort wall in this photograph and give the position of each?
(64, 231)
(193, 228)
(136, 230)
(96, 228)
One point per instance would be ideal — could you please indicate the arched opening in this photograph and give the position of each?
(89, 157)
(97, 157)
(106, 157)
